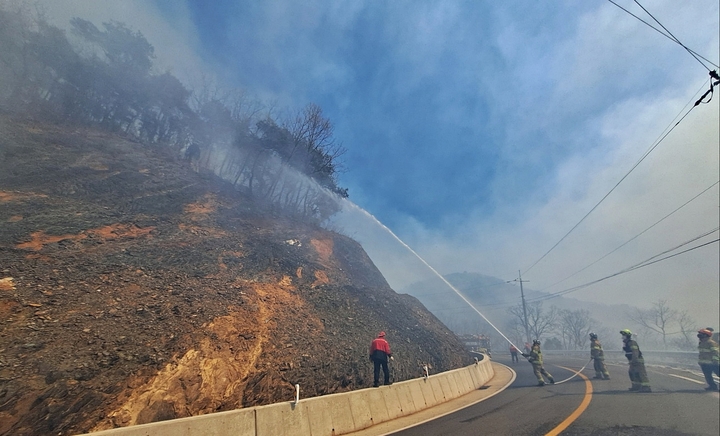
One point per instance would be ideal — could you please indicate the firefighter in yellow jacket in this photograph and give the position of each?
(636, 367)
(708, 357)
(598, 357)
(535, 358)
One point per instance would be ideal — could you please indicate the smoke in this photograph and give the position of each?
(171, 32)
(480, 146)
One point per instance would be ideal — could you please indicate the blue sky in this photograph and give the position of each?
(413, 91)
(480, 132)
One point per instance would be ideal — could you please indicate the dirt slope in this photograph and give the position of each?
(133, 289)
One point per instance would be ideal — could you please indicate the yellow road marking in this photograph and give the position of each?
(581, 408)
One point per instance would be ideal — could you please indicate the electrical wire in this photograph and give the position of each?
(639, 265)
(646, 154)
(644, 263)
(576, 288)
(634, 237)
(673, 36)
(665, 35)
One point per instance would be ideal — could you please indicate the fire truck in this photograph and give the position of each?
(478, 343)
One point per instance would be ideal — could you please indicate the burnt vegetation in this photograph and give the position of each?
(104, 77)
(160, 249)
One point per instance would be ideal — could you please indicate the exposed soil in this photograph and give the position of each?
(133, 289)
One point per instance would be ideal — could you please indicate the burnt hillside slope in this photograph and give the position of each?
(133, 289)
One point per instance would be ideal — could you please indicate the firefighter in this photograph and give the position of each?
(514, 353)
(598, 357)
(715, 335)
(708, 357)
(535, 358)
(636, 367)
(379, 356)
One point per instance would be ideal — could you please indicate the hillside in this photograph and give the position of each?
(133, 289)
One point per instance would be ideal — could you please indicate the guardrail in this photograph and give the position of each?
(327, 415)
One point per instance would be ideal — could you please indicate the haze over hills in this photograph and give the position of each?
(494, 297)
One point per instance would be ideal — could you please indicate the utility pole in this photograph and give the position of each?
(522, 295)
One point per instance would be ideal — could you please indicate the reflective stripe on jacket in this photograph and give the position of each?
(535, 356)
(632, 352)
(596, 351)
(709, 352)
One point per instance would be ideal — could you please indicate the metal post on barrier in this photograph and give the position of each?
(427, 373)
(297, 393)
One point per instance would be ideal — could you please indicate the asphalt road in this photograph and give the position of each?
(678, 405)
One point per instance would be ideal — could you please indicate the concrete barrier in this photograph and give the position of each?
(329, 415)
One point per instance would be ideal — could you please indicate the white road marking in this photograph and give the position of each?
(688, 379)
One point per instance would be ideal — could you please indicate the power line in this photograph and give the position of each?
(649, 261)
(647, 152)
(672, 38)
(639, 265)
(634, 237)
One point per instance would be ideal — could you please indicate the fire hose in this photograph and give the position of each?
(576, 373)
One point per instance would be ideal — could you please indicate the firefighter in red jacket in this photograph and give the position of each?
(379, 355)
(708, 357)
(514, 353)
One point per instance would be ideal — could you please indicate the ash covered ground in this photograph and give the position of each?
(134, 289)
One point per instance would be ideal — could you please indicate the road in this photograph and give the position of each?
(678, 405)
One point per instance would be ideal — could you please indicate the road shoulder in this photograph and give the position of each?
(504, 376)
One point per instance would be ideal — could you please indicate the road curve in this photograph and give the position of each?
(678, 405)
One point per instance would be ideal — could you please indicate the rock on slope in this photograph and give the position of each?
(133, 289)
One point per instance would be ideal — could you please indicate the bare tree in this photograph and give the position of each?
(515, 331)
(659, 318)
(575, 325)
(314, 133)
(687, 326)
(540, 321)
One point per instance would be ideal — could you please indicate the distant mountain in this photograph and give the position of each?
(493, 297)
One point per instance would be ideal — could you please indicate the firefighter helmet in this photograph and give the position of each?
(626, 332)
(705, 332)
(593, 336)
(536, 342)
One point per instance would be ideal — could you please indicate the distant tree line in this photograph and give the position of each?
(660, 327)
(104, 78)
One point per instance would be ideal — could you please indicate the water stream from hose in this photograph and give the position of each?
(383, 226)
(368, 214)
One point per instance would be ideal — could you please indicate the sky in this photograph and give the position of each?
(481, 132)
